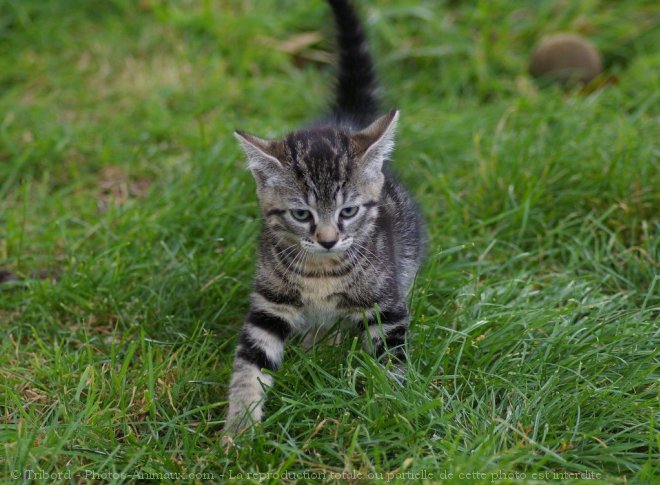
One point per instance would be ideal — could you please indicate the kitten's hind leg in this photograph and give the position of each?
(385, 336)
(260, 346)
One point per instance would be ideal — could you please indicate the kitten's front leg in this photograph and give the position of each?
(387, 337)
(260, 346)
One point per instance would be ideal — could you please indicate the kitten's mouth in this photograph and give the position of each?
(321, 252)
(325, 253)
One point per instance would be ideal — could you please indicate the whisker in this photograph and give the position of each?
(368, 255)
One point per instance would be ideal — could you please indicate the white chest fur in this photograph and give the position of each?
(319, 306)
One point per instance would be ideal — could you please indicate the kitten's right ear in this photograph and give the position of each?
(262, 157)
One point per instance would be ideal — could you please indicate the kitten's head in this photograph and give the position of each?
(319, 188)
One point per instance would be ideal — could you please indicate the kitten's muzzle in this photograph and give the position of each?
(326, 247)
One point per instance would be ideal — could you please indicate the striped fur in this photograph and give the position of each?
(341, 238)
(355, 93)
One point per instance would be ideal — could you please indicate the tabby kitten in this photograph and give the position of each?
(341, 239)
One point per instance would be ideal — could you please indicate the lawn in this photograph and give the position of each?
(128, 231)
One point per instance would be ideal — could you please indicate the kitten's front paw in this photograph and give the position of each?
(227, 442)
(239, 419)
(235, 425)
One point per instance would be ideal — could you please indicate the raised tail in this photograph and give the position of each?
(356, 98)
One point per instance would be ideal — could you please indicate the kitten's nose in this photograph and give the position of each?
(327, 236)
(327, 244)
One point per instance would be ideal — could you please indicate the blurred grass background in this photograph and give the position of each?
(128, 230)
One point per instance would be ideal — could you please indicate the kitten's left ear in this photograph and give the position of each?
(375, 143)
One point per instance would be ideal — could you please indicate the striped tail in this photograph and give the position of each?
(355, 99)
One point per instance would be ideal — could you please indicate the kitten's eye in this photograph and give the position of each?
(348, 212)
(301, 215)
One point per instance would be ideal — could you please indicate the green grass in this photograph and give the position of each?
(130, 224)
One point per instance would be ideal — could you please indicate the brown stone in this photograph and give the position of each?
(566, 57)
